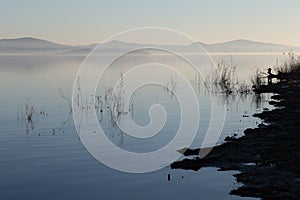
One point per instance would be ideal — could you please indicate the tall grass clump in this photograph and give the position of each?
(29, 111)
(29, 115)
(243, 88)
(114, 98)
(62, 95)
(222, 79)
(290, 66)
(257, 79)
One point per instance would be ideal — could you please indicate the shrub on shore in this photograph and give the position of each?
(290, 66)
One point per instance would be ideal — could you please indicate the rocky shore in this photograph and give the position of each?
(267, 157)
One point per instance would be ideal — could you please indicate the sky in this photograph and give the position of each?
(210, 21)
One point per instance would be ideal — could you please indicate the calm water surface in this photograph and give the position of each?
(46, 160)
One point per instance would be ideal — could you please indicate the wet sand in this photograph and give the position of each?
(268, 156)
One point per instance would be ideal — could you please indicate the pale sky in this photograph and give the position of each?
(209, 21)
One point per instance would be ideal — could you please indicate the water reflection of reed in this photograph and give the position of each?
(258, 100)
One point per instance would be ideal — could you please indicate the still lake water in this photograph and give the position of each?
(46, 160)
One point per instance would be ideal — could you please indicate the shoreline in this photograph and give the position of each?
(267, 156)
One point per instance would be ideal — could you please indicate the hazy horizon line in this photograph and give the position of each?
(207, 43)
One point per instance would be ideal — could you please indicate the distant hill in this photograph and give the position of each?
(34, 45)
(29, 44)
(242, 45)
